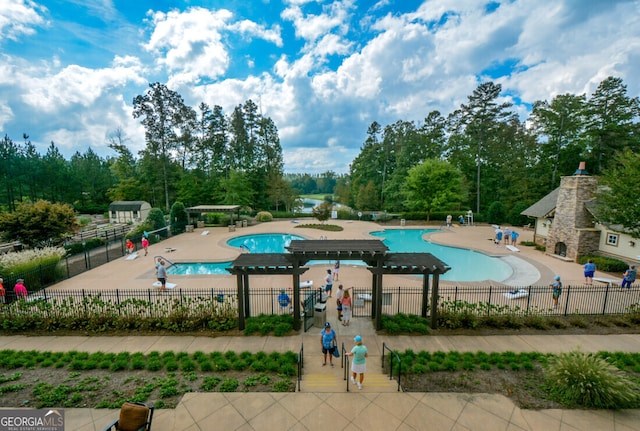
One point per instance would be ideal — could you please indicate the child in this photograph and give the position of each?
(557, 291)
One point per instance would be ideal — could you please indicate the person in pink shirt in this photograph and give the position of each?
(145, 245)
(20, 289)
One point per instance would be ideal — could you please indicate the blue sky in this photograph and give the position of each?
(322, 70)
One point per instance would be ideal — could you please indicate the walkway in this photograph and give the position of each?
(372, 408)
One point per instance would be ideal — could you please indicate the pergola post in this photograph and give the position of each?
(425, 294)
(434, 300)
(296, 295)
(241, 316)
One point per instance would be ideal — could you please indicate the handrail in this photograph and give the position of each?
(300, 364)
(391, 358)
(345, 365)
(155, 259)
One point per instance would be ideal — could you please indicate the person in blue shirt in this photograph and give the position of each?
(629, 277)
(329, 342)
(514, 237)
(589, 271)
(283, 299)
(556, 287)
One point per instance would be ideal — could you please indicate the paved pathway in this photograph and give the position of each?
(373, 408)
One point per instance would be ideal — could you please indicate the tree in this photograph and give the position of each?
(479, 120)
(322, 212)
(179, 218)
(434, 185)
(166, 120)
(38, 224)
(562, 122)
(620, 185)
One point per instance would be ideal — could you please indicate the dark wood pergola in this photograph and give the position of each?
(372, 251)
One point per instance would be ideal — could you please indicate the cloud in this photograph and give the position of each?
(19, 17)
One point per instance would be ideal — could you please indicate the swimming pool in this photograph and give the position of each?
(466, 265)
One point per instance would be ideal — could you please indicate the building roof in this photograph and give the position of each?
(544, 207)
(213, 208)
(126, 205)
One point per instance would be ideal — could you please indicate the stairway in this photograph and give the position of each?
(316, 378)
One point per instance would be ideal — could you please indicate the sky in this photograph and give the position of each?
(322, 70)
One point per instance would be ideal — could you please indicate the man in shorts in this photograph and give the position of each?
(328, 283)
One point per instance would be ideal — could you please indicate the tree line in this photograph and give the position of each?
(493, 161)
(481, 156)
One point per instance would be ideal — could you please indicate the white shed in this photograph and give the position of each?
(128, 211)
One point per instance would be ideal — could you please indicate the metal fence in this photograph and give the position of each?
(487, 300)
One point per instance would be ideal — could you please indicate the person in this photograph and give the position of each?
(2, 291)
(461, 220)
(130, 246)
(557, 290)
(629, 277)
(498, 236)
(162, 275)
(329, 342)
(449, 217)
(283, 299)
(328, 283)
(336, 270)
(145, 245)
(589, 271)
(507, 236)
(20, 289)
(339, 294)
(346, 308)
(359, 363)
(514, 237)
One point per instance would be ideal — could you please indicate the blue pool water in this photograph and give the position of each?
(466, 265)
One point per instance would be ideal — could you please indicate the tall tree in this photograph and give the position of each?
(163, 114)
(612, 120)
(617, 204)
(561, 122)
(479, 119)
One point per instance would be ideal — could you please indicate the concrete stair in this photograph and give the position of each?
(319, 379)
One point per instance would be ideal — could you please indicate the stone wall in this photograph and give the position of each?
(572, 223)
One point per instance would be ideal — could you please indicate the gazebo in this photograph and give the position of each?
(373, 252)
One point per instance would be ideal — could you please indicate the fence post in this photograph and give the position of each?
(399, 297)
(528, 298)
(489, 304)
(606, 297)
(566, 305)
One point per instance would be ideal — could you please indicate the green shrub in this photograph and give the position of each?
(606, 264)
(585, 380)
(229, 385)
(264, 216)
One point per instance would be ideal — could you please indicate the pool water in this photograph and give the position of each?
(466, 265)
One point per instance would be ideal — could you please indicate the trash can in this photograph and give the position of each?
(319, 315)
(244, 223)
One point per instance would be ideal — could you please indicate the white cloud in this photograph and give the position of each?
(19, 17)
(311, 27)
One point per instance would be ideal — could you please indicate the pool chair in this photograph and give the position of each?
(133, 417)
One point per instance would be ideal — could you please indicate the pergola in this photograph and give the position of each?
(200, 209)
(372, 251)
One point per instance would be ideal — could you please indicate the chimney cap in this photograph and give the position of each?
(582, 170)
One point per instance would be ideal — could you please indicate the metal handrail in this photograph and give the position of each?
(393, 355)
(300, 364)
(345, 365)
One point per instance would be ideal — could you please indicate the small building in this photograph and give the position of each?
(128, 211)
(566, 225)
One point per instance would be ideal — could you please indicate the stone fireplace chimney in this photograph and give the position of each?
(572, 233)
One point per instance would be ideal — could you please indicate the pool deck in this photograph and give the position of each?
(531, 266)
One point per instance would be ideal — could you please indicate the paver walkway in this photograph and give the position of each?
(372, 408)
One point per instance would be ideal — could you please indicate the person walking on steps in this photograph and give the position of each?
(629, 277)
(359, 362)
(328, 342)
